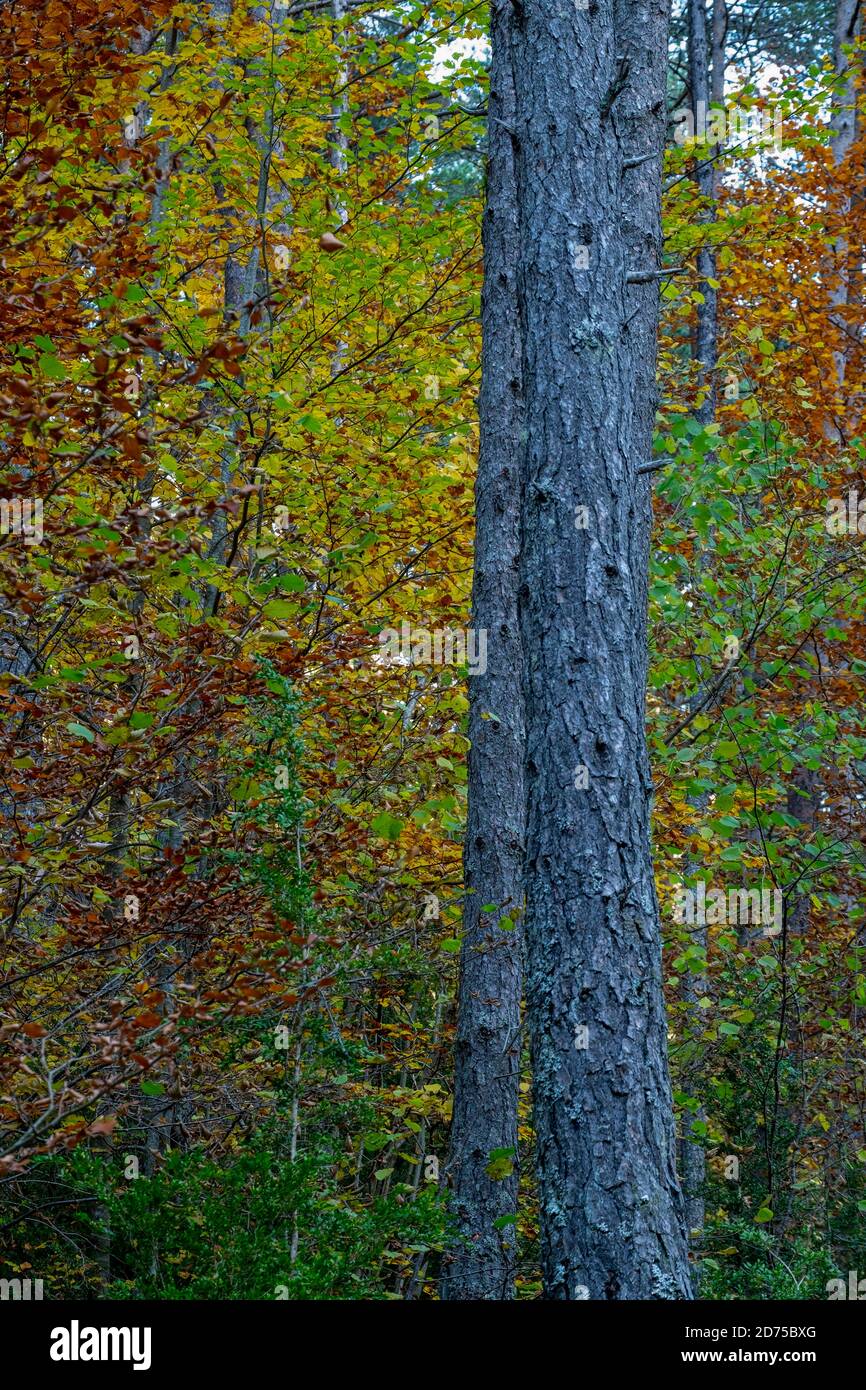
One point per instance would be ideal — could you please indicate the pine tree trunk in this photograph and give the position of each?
(589, 131)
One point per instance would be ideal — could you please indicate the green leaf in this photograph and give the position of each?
(51, 367)
(500, 1164)
(311, 423)
(375, 1141)
(387, 826)
(280, 608)
(82, 731)
(244, 789)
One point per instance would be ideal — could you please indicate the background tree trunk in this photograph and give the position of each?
(706, 322)
(846, 30)
(488, 1045)
(707, 84)
(719, 41)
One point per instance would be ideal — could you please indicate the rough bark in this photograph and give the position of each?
(589, 133)
(487, 1059)
(719, 38)
(693, 1158)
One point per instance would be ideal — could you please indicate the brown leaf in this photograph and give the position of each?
(104, 1126)
(329, 242)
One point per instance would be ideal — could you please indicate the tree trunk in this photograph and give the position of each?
(589, 132)
(719, 39)
(704, 89)
(706, 326)
(488, 1047)
(846, 30)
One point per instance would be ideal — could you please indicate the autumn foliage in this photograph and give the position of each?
(240, 354)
